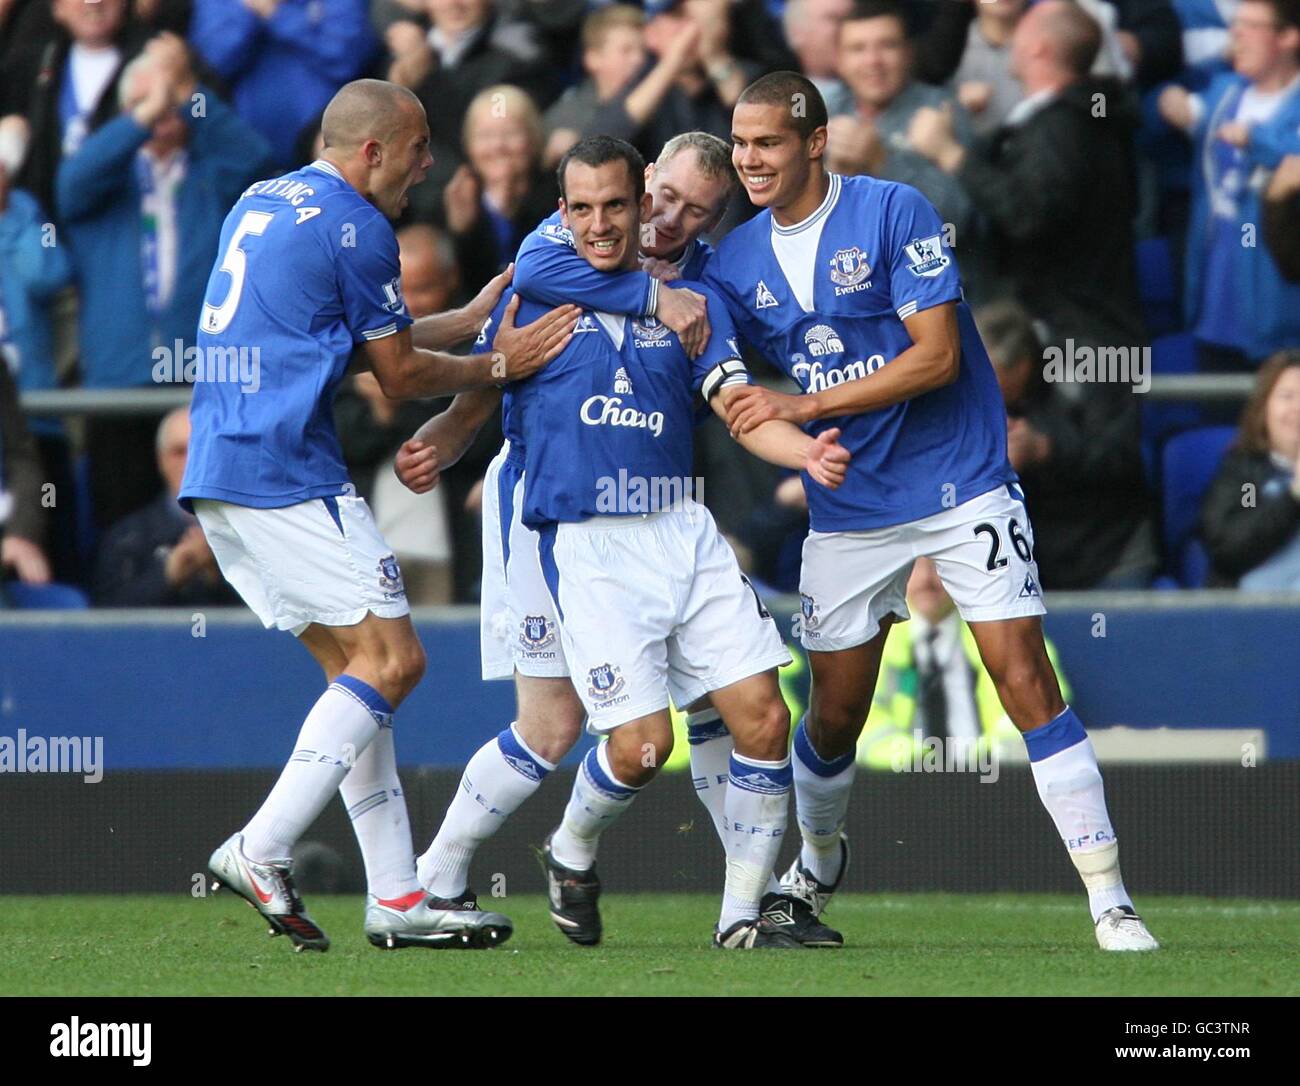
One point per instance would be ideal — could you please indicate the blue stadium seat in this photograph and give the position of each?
(1189, 462)
(1158, 287)
(1169, 355)
(45, 597)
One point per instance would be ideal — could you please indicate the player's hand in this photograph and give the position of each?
(25, 558)
(521, 352)
(486, 299)
(751, 405)
(662, 270)
(417, 466)
(687, 314)
(1234, 133)
(828, 460)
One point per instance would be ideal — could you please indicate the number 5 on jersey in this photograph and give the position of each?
(215, 319)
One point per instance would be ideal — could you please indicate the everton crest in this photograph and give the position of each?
(604, 682)
(535, 633)
(849, 267)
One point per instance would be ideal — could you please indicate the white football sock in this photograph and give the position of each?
(342, 723)
(758, 797)
(821, 791)
(710, 747)
(1069, 784)
(502, 774)
(373, 797)
(598, 799)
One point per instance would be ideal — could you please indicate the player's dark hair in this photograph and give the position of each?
(597, 151)
(877, 9)
(797, 96)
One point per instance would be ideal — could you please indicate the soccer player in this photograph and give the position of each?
(688, 187)
(308, 268)
(849, 285)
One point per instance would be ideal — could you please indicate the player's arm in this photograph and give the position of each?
(442, 331)
(784, 444)
(442, 441)
(551, 272)
(933, 360)
(406, 372)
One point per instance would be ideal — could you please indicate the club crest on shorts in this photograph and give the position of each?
(605, 682)
(927, 257)
(535, 633)
(808, 607)
(390, 576)
(849, 267)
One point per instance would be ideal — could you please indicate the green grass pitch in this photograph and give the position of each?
(899, 944)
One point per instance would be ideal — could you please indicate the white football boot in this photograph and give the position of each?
(1121, 928)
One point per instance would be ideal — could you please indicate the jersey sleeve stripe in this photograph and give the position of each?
(380, 333)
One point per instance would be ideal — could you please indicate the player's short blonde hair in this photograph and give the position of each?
(712, 155)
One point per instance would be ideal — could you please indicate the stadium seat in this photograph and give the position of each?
(1189, 462)
(45, 597)
(1171, 354)
(1158, 287)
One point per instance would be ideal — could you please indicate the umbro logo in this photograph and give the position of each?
(781, 914)
(764, 298)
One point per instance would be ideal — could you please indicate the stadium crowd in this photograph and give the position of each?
(1124, 185)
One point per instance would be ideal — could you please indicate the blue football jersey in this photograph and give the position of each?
(549, 270)
(308, 268)
(825, 301)
(616, 404)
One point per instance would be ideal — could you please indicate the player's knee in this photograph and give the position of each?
(833, 721)
(772, 730)
(403, 669)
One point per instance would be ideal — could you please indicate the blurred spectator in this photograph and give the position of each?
(493, 201)
(621, 93)
(1056, 183)
(1251, 517)
(372, 427)
(466, 48)
(158, 556)
(1149, 37)
(143, 200)
(1238, 304)
(1282, 217)
(732, 44)
(64, 83)
(811, 29)
(983, 81)
(22, 528)
(283, 59)
(873, 108)
(32, 269)
(1206, 40)
(932, 683)
(1077, 453)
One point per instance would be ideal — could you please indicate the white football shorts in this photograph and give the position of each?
(322, 560)
(517, 626)
(651, 607)
(982, 549)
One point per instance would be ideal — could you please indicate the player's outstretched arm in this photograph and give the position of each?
(933, 360)
(442, 331)
(784, 444)
(442, 441)
(405, 372)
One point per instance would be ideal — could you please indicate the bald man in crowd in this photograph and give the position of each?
(1056, 182)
